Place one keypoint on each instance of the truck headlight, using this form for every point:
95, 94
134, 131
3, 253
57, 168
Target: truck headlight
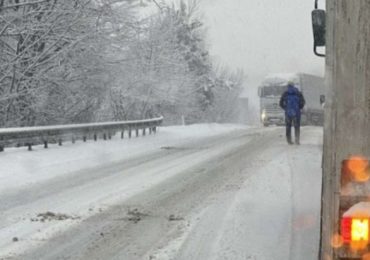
263, 115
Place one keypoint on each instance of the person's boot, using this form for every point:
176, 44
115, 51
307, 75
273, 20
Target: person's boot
289, 140
297, 135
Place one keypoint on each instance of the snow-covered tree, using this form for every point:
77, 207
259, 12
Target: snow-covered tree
82, 60
53, 59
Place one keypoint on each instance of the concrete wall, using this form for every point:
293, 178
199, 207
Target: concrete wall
347, 126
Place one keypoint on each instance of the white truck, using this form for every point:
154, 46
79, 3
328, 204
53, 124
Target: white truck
274, 85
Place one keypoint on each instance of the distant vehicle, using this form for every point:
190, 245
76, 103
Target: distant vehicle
274, 85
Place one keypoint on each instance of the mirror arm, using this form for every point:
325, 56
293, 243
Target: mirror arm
316, 4
316, 53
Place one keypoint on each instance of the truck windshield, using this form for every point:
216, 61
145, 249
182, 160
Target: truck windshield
273, 90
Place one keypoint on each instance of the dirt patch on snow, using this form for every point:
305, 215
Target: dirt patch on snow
173, 148
173, 217
51, 216
135, 215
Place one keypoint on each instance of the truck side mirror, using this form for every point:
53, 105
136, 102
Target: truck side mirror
322, 99
319, 29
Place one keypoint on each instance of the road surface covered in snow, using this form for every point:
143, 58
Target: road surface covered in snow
197, 192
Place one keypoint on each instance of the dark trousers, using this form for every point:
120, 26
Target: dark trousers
292, 121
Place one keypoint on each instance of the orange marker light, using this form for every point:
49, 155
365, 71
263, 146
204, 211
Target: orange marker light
357, 164
357, 168
337, 241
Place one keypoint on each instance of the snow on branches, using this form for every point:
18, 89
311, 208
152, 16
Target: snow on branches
81, 61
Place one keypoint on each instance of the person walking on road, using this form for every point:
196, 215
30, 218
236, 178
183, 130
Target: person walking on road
292, 101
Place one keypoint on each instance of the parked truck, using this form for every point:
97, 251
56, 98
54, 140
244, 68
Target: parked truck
274, 85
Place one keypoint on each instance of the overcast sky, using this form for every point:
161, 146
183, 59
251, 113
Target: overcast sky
262, 36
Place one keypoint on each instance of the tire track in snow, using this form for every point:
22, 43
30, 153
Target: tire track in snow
208, 237
306, 196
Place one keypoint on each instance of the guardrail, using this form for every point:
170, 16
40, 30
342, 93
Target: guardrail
29, 136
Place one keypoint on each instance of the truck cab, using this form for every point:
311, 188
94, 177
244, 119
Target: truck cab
270, 92
270, 111
274, 85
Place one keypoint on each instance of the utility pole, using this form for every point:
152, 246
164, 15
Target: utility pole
347, 115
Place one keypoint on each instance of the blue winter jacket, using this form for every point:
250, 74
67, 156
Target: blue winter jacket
292, 101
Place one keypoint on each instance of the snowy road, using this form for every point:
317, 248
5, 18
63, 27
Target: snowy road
238, 194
